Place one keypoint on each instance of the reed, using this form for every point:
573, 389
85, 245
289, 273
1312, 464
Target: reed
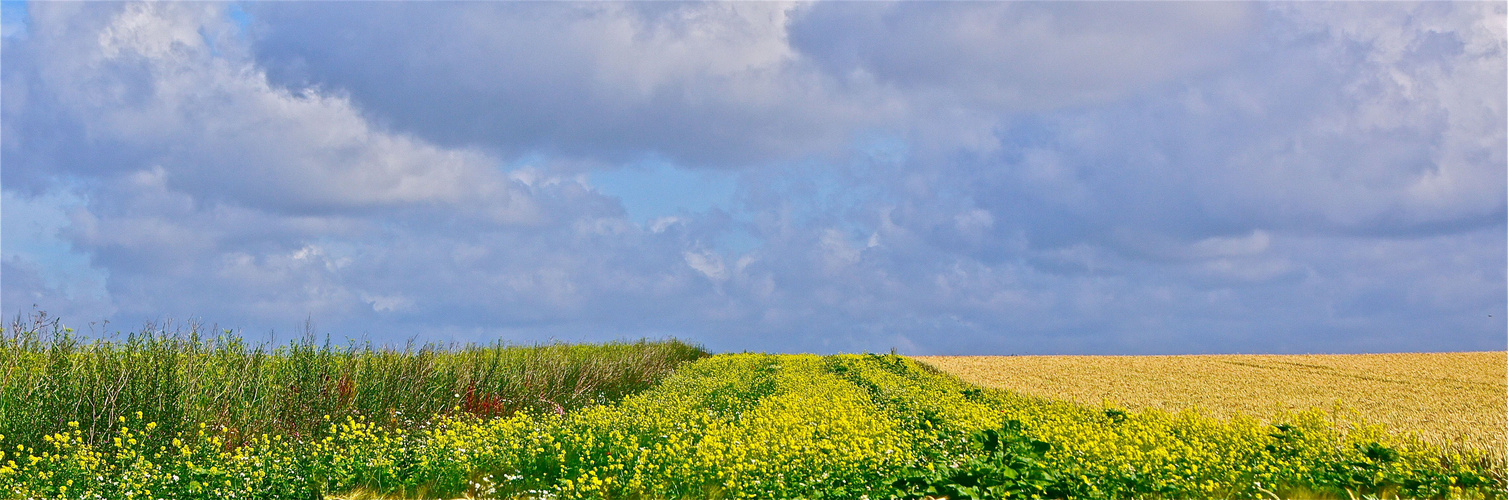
181, 378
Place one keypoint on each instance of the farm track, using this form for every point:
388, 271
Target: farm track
1452, 399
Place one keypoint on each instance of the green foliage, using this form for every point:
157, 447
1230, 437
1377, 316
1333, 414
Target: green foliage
181, 379
722, 427
1005, 464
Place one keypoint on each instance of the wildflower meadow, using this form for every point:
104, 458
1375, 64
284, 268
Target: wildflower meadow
639, 421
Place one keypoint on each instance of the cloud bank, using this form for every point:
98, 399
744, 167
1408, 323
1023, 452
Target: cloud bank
937, 178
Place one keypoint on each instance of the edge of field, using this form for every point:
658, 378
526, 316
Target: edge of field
1454, 400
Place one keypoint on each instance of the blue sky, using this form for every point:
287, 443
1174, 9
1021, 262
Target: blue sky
935, 177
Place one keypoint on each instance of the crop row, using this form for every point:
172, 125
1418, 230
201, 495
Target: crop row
767, 426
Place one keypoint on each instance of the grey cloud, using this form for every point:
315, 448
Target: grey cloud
1332, 184
704, 84
1015, 56
161, 84
1219, 203
1313, 136
724, 85
227, 181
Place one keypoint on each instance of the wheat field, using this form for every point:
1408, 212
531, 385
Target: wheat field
1452, 399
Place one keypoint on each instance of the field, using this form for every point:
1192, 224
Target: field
159, 415
1456, 399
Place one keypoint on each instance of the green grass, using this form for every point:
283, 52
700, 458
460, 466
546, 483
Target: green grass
772, 426
180, 379
181, 416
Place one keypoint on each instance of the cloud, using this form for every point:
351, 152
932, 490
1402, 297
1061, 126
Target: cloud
728, 85
161, 83
201, 174
1018, 56
713, 85
942, 178
1312, 135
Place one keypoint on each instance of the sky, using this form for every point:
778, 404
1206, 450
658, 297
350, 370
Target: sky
929, 177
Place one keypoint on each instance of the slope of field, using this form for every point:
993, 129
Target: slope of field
1458, 399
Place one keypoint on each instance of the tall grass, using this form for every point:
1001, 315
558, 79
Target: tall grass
182, 379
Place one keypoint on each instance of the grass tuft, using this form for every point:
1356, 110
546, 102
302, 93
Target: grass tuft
183, 378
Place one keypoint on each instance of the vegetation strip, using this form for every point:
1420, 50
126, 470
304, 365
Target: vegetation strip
182, 380
755, 426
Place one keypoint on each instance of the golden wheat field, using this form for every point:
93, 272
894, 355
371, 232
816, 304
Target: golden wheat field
1455, 399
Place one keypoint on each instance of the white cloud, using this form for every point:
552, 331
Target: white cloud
388, 303
173, 80
1069, 178
711, 85
709, 264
